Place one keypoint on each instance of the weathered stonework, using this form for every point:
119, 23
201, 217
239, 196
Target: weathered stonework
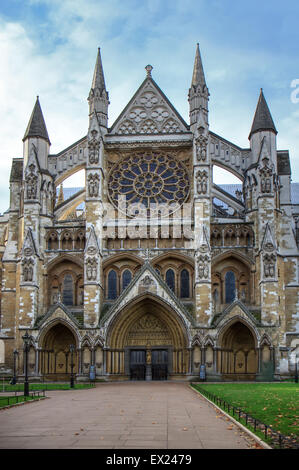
202, 284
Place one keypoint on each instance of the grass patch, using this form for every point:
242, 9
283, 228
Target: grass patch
45, 386
13, 400
275, 404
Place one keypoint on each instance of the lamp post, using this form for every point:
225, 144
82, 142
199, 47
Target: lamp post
14, 379
72, 349
26, 339
296, 368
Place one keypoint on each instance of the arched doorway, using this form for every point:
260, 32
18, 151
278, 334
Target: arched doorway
147, 341
238, 357
55, 359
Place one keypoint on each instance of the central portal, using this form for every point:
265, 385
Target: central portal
147, 341
148, 364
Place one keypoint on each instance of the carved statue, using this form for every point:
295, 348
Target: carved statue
266, 173
31, 183
91, 269
269, 265
93, 148
148, 356
28, 269
93, 185
201, 148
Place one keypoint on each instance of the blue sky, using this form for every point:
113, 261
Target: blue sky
48, 48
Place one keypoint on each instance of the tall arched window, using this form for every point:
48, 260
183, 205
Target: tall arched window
185, 285
112, 285
68, 290
170, 279
230, 287
126, 278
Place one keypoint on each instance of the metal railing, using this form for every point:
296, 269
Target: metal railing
277, 439
18, 397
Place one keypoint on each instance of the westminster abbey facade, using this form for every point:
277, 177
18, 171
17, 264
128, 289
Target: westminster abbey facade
151, 270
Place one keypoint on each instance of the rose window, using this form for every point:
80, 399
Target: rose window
149, 178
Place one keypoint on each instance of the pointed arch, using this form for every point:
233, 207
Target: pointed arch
226, 324
197, 341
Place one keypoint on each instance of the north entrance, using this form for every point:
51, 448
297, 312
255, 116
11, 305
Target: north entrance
147, 341
149, 364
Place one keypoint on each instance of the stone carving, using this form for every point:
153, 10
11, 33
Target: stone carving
160, 113
93, 148
31, 182
148, 330
149, 99
149, 113
148, 356
137, 114
93, 184
269, 265
201, 146
28, 255
147, 281
171, 127
148, 127
28, 264
202, 262
127, 127
202, 182
266, 174
91, 269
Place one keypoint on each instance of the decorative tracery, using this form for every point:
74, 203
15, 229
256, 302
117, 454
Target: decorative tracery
149, 178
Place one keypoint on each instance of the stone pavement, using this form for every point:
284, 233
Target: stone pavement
131, 415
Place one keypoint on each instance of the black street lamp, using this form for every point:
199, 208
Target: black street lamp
296, 368
14, 379
26, 338
72, 349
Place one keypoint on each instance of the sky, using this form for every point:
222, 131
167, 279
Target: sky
48, 48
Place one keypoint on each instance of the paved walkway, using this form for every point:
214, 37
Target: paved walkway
118, 416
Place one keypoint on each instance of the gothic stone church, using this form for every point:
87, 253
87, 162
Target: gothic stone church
151, 270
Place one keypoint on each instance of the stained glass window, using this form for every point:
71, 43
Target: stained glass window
126, 278
112, 285
151, 178
185, 288
170, 279
230, 287
68, 290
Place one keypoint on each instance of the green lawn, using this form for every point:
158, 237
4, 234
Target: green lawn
44, 386
12, 400
275, 404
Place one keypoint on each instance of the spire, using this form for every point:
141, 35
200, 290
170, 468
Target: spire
36, 126
198, 77
98, 80
198, 93
262, 120
98, 96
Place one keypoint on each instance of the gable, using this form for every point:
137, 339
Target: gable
149, 112
57, 312
147, 282
236, 309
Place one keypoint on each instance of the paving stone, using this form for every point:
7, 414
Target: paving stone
133, 415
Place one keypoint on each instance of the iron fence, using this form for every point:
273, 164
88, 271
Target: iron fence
18, 397
277, 439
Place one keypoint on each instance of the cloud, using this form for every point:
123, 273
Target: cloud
50, 51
